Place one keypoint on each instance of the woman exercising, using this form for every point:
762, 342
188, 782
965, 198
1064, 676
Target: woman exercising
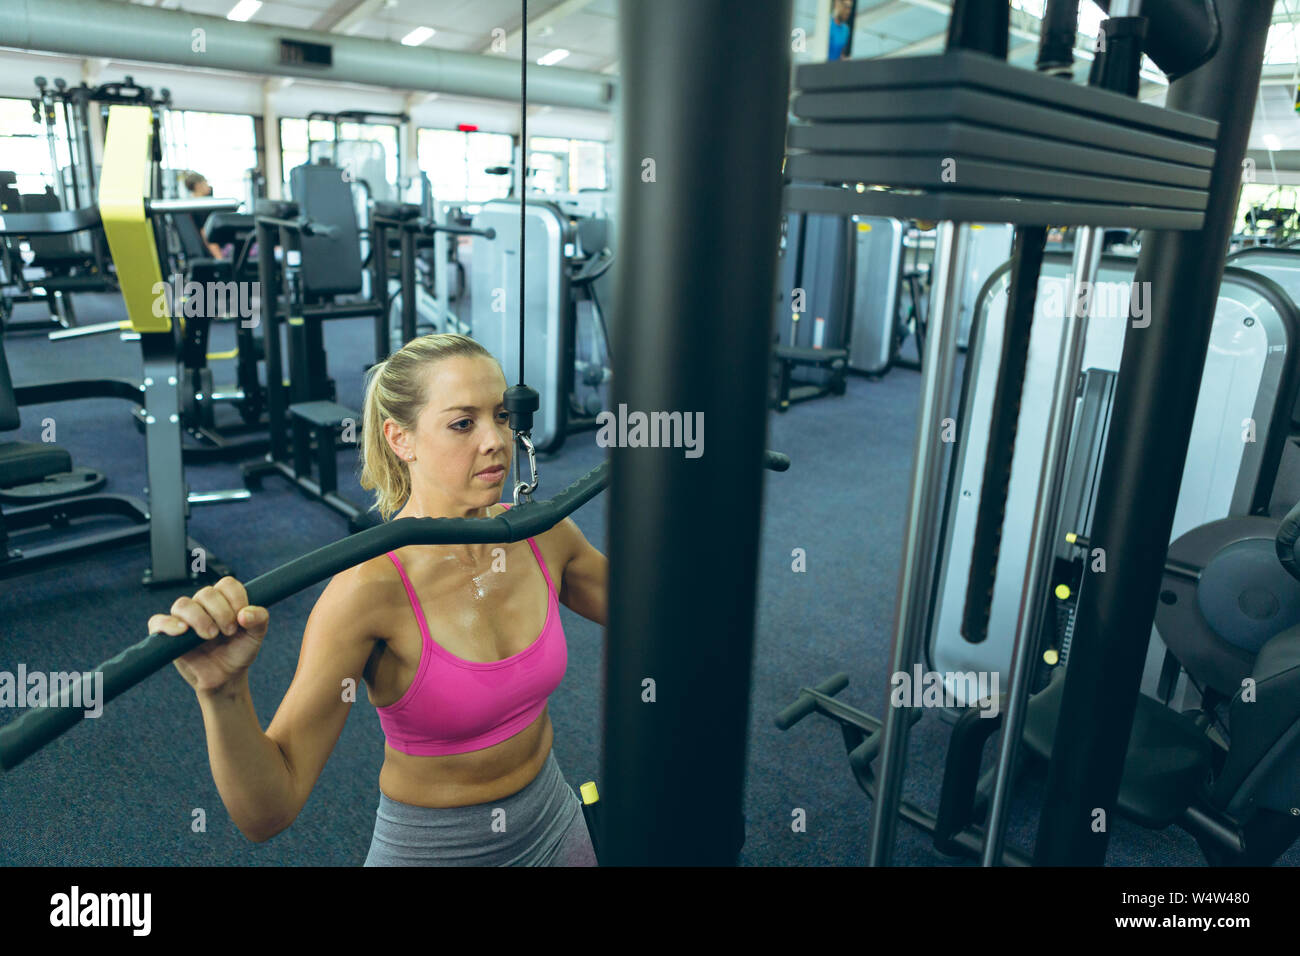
459, 645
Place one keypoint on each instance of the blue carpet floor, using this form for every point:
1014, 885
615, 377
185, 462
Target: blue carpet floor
127, 788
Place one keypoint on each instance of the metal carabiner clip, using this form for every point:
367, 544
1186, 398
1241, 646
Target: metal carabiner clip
525, 489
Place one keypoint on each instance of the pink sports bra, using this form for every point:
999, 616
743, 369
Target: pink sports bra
454, 706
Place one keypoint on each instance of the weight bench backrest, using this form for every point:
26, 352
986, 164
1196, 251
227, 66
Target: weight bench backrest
331, 265
187, 231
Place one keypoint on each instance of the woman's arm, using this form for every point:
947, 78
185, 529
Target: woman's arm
585, 578
265, 778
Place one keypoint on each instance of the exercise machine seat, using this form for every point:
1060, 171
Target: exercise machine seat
1167, 763
593, 235
225, 228
322, 414
1263, 764
276, 208
401, 211
1242, 590
808, 356
212, 270
26, 462
56, 251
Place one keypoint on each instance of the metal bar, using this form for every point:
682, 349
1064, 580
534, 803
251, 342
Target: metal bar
75, 147
218, 497
191, 205
77, 389
674, 769
51, 138
1155, 400
917, 561
97, 329
169, 561
1043, 532
32, 559
428, 228
321, 313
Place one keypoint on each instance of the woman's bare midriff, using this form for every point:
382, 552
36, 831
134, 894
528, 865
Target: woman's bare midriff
462, 780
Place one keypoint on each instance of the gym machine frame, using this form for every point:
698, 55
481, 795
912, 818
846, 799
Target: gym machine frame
133, 237
79, 190
303, 415
1169, 194
410, 226
125, 216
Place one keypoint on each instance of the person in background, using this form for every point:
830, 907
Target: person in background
199, 188
841, 30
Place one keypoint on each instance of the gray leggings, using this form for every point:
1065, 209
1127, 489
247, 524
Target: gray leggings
541, 825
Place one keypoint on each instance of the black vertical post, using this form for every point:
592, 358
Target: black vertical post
408, 284
980, 25
379, 285
269, 278
700, 200
1151, 421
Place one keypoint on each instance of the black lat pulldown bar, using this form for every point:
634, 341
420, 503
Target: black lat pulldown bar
36, 728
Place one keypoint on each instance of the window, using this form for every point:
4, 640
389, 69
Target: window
1282, 44
1090, 15
24, 147
294, 137
293, 143
1265, 199
456, 164
566, 165
222, 147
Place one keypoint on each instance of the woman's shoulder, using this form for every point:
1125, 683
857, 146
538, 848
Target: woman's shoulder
557, 543
362, 593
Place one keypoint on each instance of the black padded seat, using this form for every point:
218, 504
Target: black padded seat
1168, 758
54, 252
276, 208
323, 414
1265, 747
401, 211
228, 227
593, 235
61, 260
212, 270
25, 462
809, 356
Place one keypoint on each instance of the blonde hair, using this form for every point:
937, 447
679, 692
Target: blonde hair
396, 388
